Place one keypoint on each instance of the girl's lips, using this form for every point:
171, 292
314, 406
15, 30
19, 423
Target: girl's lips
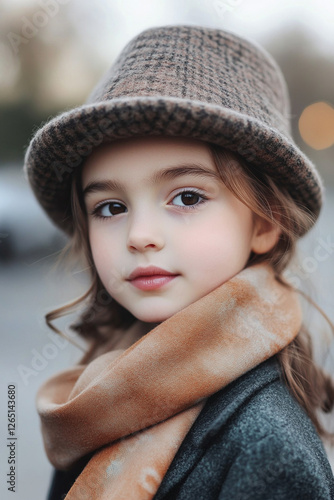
152, 282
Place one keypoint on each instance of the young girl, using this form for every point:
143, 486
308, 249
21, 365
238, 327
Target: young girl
182, 190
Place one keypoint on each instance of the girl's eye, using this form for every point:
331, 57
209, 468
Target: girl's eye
189, 199
108, 209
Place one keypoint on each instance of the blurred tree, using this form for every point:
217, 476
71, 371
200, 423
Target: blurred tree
43, 70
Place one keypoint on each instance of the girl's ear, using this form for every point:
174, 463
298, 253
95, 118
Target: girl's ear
265, 236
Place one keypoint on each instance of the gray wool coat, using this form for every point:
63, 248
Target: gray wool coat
251, 441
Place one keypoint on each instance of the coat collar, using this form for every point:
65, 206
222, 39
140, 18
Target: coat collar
215, 414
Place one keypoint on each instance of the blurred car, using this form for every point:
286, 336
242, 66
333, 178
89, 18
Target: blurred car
24, 227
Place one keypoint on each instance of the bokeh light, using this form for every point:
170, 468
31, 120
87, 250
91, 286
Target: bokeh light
316, 125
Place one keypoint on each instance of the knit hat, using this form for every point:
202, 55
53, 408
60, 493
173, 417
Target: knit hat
186, 81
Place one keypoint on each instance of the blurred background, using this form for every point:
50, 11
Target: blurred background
52, 52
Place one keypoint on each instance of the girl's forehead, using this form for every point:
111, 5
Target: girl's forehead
141, 145
147, 153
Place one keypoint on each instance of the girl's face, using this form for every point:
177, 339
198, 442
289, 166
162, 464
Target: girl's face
158, 201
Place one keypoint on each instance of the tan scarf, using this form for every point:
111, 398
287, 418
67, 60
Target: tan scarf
135, 406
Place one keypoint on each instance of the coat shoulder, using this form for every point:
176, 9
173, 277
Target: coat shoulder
252, 440
274, 449
254, 406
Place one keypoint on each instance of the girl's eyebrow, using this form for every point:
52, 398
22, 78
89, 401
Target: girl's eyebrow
164, 174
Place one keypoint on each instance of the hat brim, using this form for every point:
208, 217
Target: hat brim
62, 145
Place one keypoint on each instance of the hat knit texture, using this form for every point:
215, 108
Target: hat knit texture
186, 81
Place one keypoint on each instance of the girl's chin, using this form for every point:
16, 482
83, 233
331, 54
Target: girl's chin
156, 311
152, 322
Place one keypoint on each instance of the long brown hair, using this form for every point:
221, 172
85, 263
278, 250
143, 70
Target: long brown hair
309, 384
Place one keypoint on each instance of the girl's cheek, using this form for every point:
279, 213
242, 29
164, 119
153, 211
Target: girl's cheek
102, 250
218, 241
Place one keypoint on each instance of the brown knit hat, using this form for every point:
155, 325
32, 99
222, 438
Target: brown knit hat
187, 81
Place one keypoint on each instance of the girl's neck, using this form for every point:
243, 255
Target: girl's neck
123, 339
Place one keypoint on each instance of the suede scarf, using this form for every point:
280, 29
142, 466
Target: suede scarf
134, 407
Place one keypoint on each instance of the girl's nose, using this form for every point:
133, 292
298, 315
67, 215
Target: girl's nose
145, 233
